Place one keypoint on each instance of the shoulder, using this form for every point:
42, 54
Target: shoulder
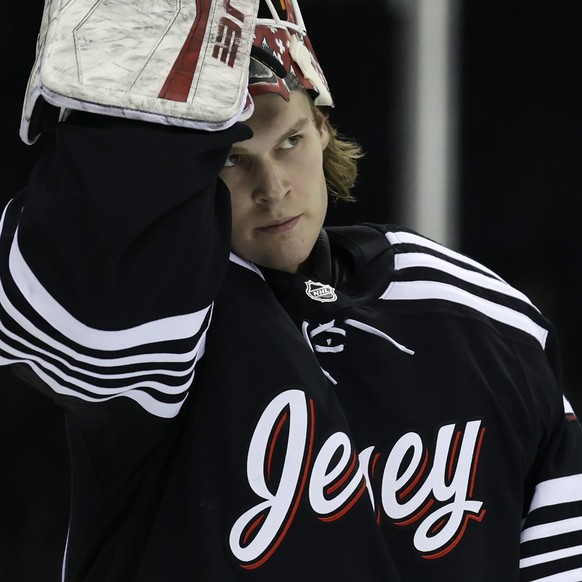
418, 269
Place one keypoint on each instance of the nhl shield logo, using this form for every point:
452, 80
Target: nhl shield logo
320, 292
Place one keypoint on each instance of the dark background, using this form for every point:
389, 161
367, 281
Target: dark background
519, 134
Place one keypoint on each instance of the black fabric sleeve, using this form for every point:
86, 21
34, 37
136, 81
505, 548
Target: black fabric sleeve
111, 259
551, 536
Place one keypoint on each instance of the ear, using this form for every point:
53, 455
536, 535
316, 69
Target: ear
321, 124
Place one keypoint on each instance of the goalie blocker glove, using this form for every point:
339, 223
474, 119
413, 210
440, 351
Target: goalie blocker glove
171, 62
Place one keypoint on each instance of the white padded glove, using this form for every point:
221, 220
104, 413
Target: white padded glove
174, 62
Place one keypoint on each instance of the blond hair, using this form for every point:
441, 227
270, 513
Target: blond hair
340, 160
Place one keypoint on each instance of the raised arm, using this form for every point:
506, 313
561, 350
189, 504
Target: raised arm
112, 255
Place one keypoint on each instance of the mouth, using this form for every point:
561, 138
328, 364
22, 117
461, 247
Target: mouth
278, 226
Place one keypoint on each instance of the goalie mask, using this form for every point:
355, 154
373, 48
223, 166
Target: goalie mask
282, 58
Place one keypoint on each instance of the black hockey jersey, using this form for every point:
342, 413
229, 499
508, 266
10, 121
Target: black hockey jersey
194, 409
406, 407
450, 379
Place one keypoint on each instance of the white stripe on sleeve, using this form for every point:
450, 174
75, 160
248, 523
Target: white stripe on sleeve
395, 238
426, 290
554, 491
411, 260
556, 528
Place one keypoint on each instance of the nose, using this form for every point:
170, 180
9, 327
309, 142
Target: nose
270, 183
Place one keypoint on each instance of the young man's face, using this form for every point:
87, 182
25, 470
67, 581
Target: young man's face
277, 184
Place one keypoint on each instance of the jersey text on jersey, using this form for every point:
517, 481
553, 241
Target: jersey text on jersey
438, 502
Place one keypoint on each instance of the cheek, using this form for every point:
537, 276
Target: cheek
235, 205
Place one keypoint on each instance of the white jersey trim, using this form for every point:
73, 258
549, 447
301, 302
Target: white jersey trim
414, 259
396, 238
246, 264
555, 491
551, 557
569, 576
548, 530
68, 371
170, 328
145, 400
567, 406
426, 290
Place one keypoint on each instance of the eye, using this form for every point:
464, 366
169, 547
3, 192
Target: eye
290, 142
232, 160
